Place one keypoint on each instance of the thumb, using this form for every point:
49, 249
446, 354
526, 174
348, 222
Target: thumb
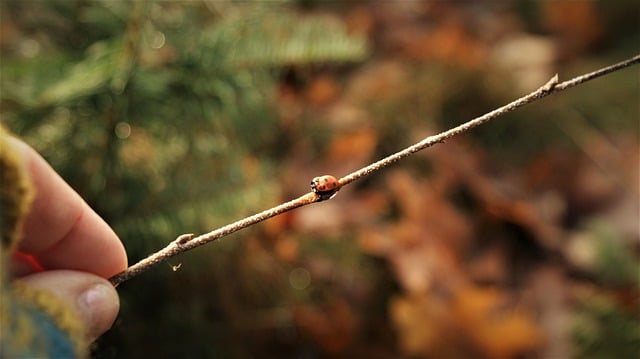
93, 298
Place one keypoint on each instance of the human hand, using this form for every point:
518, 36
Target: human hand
66, 248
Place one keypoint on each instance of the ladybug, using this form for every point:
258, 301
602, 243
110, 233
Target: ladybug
326, 186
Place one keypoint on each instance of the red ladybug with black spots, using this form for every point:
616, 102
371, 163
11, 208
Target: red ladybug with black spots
326, 186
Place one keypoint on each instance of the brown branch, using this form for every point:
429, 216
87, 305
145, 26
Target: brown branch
188, 241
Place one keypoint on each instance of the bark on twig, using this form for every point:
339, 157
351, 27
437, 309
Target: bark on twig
188, 241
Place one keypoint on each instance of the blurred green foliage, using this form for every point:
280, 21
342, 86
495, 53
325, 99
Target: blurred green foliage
614, 263
156, 107
602, 329
161, 115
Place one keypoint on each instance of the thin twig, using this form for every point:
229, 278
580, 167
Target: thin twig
188, 241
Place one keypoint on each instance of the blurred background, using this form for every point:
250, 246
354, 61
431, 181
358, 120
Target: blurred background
519, 239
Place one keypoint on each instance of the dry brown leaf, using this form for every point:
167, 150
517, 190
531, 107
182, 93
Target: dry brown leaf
428, 206
323, 90
287, 248
352, 149
323, 219
472, 322
449, 41
423, 326
376, 241
331, 327
496, 328
353, 144
360, 21
377, 82
577, 23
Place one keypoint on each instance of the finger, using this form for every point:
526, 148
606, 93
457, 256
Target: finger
61, 231
92, 298
21, 264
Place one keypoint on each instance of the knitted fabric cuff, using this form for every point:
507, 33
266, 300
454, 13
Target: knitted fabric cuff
36, 324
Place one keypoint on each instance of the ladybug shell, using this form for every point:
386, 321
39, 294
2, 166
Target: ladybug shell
324, 183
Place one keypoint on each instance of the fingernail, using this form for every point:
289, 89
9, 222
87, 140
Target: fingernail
99, 305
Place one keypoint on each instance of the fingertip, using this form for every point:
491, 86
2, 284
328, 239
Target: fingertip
99, 305
92, 298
